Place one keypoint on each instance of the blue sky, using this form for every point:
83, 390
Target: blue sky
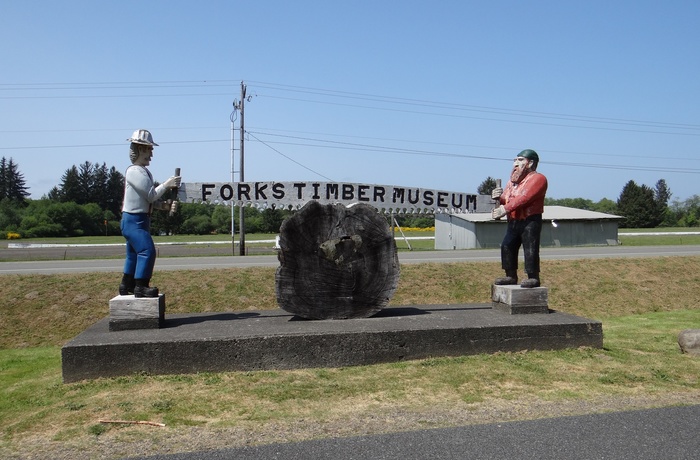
424, 94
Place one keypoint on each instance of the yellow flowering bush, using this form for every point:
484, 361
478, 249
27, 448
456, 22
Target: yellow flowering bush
415, 229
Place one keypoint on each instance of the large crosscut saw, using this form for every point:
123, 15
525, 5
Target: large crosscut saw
293, 195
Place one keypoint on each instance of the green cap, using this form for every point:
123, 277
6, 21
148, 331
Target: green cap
530, 155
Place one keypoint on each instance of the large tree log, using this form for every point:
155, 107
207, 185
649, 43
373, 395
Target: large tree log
336, 262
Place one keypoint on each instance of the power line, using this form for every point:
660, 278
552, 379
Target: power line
61, 85
287, 156
384, 103
102, 87
477, 157
337, 94
470, 117
94, 130
607, 155
457, 106
121, 144
273, 132
342, 145
117, 96
379, 149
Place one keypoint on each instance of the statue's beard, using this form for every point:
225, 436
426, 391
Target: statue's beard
518, 174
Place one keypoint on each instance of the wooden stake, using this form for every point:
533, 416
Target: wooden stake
132, 422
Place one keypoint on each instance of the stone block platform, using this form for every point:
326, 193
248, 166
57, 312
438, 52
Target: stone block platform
515, 300
128, 312
275, 339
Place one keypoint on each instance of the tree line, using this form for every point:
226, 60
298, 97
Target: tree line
87, 202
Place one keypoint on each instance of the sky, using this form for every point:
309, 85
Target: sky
434, 95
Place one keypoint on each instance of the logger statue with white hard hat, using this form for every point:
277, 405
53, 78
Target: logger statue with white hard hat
141, 197
522, 202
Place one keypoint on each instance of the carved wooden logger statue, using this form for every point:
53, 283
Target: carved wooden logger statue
336, 262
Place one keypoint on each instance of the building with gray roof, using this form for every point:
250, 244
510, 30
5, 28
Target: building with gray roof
562, 226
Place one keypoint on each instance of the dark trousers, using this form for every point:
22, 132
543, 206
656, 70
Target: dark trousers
525, 233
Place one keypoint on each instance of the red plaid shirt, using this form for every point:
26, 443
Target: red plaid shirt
526, 198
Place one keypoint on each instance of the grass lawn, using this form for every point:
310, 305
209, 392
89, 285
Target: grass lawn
643, 304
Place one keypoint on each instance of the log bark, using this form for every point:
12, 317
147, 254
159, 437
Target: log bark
336, 262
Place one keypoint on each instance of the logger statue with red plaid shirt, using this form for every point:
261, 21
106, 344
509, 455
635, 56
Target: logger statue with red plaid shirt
522, 202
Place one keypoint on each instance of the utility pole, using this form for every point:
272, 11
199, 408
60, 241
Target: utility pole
233, 176
241, 219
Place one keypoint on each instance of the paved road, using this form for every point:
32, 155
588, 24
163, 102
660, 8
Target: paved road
228, 261
668, 433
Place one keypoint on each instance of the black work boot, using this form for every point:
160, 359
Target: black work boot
143, 290
510, 278
127, 285
532, 281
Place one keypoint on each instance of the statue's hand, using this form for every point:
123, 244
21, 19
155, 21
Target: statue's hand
496, 193
498, 212
162, 205
172, 182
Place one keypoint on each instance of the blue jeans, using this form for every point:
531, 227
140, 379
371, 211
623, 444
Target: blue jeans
140, 250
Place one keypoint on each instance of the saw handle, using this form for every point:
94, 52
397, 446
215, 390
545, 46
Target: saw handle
173, 206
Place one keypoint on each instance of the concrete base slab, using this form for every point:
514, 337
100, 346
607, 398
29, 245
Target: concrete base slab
260, 340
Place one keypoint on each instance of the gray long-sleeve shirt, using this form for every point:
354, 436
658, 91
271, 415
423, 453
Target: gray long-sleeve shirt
139, 190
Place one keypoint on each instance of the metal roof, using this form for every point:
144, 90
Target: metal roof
550, 213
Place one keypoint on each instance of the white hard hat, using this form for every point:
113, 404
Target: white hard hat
142, 136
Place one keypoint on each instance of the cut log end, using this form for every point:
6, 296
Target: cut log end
336, 262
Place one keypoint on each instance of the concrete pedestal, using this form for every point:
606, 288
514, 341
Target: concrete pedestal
274, 339
513, 299
127, 312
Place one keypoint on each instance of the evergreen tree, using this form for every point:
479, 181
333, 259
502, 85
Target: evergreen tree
662, 195
86, 184
91, 183
115, 191
54, 194
12, 184
486, 186
637, 204
98, 190
69, 190
3, 178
